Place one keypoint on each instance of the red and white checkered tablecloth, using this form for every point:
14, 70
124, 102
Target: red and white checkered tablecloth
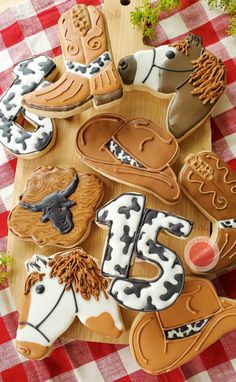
30, 28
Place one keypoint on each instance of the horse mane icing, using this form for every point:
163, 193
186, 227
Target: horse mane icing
208, 77
79, 269
31, 280
182, 46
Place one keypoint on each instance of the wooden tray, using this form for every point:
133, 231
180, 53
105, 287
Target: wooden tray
125, 40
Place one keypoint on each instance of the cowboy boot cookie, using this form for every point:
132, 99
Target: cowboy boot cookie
90, 75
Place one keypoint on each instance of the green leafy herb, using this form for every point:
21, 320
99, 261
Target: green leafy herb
5, 260
147, 15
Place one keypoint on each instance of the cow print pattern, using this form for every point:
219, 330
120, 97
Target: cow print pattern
122, 155
186, 330
130, 227
91, 69
30, 75
229, 223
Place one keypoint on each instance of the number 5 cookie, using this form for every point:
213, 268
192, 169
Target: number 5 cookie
30, 74
185, 68
211, 185
136, 152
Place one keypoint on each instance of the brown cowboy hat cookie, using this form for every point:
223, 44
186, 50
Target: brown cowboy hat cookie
57, 207
185, 68
136, 152
211, 185
163, 341
90, 76
69, 282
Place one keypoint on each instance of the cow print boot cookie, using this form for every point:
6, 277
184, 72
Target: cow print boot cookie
90, 75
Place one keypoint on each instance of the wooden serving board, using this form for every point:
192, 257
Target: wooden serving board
125, 40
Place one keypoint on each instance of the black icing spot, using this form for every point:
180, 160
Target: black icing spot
94, 70
28, 88
137, 288
149, 306
154, 249
108, 253
23, 67
6, 128
151, 214
7, 101
133, 207
127, 239
43, 142
171, 288
121, 270
24, 135
106, 57
102, 218
176, 229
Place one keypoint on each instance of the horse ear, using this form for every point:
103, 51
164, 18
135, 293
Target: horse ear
36, 264
186, 112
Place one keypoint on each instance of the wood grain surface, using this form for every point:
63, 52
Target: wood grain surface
125, 40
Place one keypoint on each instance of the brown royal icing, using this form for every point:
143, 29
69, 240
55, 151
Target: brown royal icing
125, 151
195, 75
211, 185
163, 341
90, 71
49, 219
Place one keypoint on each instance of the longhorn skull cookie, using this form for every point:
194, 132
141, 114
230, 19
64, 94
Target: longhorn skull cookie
133, 229
68, 282
135, 152
211, 185
163, 341
57, 207
185, 68
90, 75
30, 74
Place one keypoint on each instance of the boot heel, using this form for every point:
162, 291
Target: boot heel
107, 100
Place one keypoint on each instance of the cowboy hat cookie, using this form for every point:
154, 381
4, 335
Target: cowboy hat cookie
57, 207
90, 75
185, 68
163, 341
211, 185
133, 231
68, 282
124, 150
30, 74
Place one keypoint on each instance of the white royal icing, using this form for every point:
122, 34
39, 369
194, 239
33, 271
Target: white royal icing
30, 74
139, 294
57, 321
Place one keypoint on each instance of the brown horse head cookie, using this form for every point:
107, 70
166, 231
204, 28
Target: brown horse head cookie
185, 68
57, 207
126, 151
163, 341
68, 282
211, 185
90, 75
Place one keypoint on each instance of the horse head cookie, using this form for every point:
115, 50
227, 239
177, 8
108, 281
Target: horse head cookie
90, 75
163, 341
57, 207
125, 151
185, 68
66, 282
211, 185
30, 74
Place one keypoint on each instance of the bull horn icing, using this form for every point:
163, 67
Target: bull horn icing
32, 207
71, 188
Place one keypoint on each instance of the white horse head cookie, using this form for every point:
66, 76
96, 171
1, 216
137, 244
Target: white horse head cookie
185, 68
68, 282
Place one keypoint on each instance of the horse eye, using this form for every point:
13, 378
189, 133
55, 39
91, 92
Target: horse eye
40, 289
170, 54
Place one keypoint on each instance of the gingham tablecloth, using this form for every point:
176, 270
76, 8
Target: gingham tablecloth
30, 28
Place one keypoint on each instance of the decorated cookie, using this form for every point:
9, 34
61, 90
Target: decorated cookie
90, 75
30, 74
185, 68
57, 207
210, 184
163, 341
68, 282
133, 231
136, 152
